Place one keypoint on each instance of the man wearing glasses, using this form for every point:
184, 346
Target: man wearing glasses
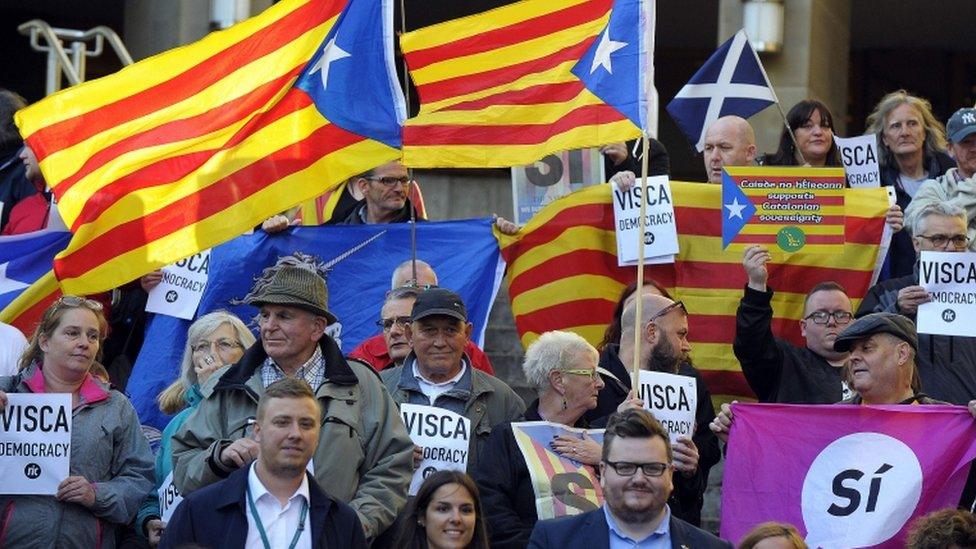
776, 370
384, 190
946, 364
635, 475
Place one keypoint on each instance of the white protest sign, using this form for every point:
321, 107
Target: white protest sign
35, 443
672, 399
169, 498
182, 287
443, 435
860, 158
660, 235
950, 278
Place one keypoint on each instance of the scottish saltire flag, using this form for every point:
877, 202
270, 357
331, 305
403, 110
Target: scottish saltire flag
463, 253
732, 81
562, 486
27, 284
190, 148
508, 86
845, 476
787, 209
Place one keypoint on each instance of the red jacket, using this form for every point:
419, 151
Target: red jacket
373, 351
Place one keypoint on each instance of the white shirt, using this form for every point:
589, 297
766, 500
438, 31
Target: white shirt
279, 523
12, 345
433, 390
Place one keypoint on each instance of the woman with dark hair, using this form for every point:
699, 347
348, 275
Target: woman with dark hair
446, 513
110, 462
813, 126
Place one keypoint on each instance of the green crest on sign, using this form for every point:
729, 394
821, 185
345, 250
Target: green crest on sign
790, 239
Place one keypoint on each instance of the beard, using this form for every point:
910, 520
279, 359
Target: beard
665, 358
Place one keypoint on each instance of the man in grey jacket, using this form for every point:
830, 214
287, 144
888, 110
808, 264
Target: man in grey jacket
438, 373
363, 455
946, 364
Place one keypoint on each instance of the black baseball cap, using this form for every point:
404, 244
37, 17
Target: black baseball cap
439, 301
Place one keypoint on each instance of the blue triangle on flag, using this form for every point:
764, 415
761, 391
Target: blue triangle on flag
737, 209
618, 79
352, 79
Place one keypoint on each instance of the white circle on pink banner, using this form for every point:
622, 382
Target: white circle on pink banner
860, 490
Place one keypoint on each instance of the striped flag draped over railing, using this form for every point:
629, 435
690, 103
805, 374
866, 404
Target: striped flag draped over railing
563, 272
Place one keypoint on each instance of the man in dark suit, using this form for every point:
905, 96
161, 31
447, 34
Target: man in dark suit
275, 502
636, 479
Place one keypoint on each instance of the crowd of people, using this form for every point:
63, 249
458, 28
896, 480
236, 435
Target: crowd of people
282, 440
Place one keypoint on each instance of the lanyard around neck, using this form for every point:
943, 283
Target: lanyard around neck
260, 526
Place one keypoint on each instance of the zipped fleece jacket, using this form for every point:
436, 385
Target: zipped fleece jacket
107, 448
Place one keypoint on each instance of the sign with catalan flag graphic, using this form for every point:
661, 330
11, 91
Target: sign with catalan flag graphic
562, 486
563, 273
789, 208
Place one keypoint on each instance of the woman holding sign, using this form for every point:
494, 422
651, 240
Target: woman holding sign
110, 462
213, 341
562, 365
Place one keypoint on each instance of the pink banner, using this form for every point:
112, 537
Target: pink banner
845, 476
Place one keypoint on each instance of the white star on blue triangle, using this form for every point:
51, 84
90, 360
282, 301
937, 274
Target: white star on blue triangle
737, 209
611, 66
352, 79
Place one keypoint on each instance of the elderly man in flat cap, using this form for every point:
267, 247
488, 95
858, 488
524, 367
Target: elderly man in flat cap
364, 452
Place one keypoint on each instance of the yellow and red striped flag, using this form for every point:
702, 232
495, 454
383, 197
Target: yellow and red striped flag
511, 85
194, 146
563, 273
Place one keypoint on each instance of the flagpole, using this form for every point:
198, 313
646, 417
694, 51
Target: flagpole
410, 182
786, 122
649, 8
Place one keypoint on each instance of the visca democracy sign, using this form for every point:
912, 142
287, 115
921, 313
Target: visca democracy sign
35, 443
950, 278
660, 235
443, 437
182, 287
672, 399
860, 158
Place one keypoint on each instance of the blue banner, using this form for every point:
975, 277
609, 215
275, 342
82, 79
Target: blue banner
463, 253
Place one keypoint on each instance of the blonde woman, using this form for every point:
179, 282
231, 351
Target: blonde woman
215, 340
110, 463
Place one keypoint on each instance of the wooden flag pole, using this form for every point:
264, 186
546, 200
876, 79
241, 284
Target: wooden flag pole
638, 324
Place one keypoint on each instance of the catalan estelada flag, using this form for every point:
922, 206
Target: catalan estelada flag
194, 146
562, 486
790, 208
563, 273
27, 283
511, 85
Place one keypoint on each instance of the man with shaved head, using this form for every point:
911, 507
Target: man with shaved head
665, 348
729, 141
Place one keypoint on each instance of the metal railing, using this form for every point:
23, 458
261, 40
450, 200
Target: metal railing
58, 61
